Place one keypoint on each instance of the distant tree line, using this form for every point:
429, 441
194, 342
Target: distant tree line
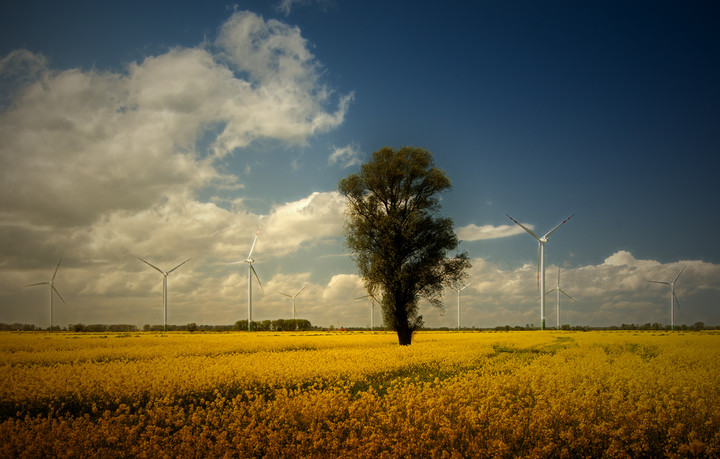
191, 327
657, 326
18, 327
71, 327
276, 325
99, 328
240, 325
305, 325
697, 326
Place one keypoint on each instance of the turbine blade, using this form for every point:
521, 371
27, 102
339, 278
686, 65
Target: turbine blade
658, 282
465, 286
37, 283
301, 290
561, 291
58, 293
176, 267
258, 279
676, 300
361, 297
152, 266
281, 293
547, 235
58, 267
681, 271
252, 247
530, 232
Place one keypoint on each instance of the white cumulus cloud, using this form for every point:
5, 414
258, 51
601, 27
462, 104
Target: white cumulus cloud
77, 144
474, 232
346, 156
310, 220
613, 292
101, 167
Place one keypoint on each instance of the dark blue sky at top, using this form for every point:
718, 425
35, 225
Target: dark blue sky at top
609, 110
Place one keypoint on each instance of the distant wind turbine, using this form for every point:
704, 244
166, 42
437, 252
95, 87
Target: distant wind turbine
52, 289
372, 309
541, 262
293, 299
673, 297
458, 290
250, 260
165, 275
558, 291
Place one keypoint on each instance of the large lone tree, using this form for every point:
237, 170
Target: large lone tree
397, 239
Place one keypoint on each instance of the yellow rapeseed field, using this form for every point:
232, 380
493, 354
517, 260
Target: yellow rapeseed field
484, 394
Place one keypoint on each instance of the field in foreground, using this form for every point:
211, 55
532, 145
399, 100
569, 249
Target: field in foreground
542, 394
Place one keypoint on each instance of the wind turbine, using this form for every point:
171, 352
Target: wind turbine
541, 262
372, 309
558, 291
52, 289
165, 275
292, 297
250, 260
458, 290
673, 297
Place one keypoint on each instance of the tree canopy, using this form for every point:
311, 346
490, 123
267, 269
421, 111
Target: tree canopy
396, 236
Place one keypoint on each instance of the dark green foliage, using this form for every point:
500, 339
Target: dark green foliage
397, 239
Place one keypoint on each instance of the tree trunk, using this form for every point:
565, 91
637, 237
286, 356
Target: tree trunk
404, 336
402, 325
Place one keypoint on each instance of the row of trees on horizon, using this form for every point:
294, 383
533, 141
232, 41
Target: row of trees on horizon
240, 325
305, 325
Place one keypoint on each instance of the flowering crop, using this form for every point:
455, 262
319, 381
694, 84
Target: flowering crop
559, 394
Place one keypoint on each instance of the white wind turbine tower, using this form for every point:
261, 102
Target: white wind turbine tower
52, 289
250, 260
673, 297
458, 290
558, 291
293, 299
372, 309
541, 262
165, 275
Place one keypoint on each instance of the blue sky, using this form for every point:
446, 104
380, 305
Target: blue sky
173, 130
